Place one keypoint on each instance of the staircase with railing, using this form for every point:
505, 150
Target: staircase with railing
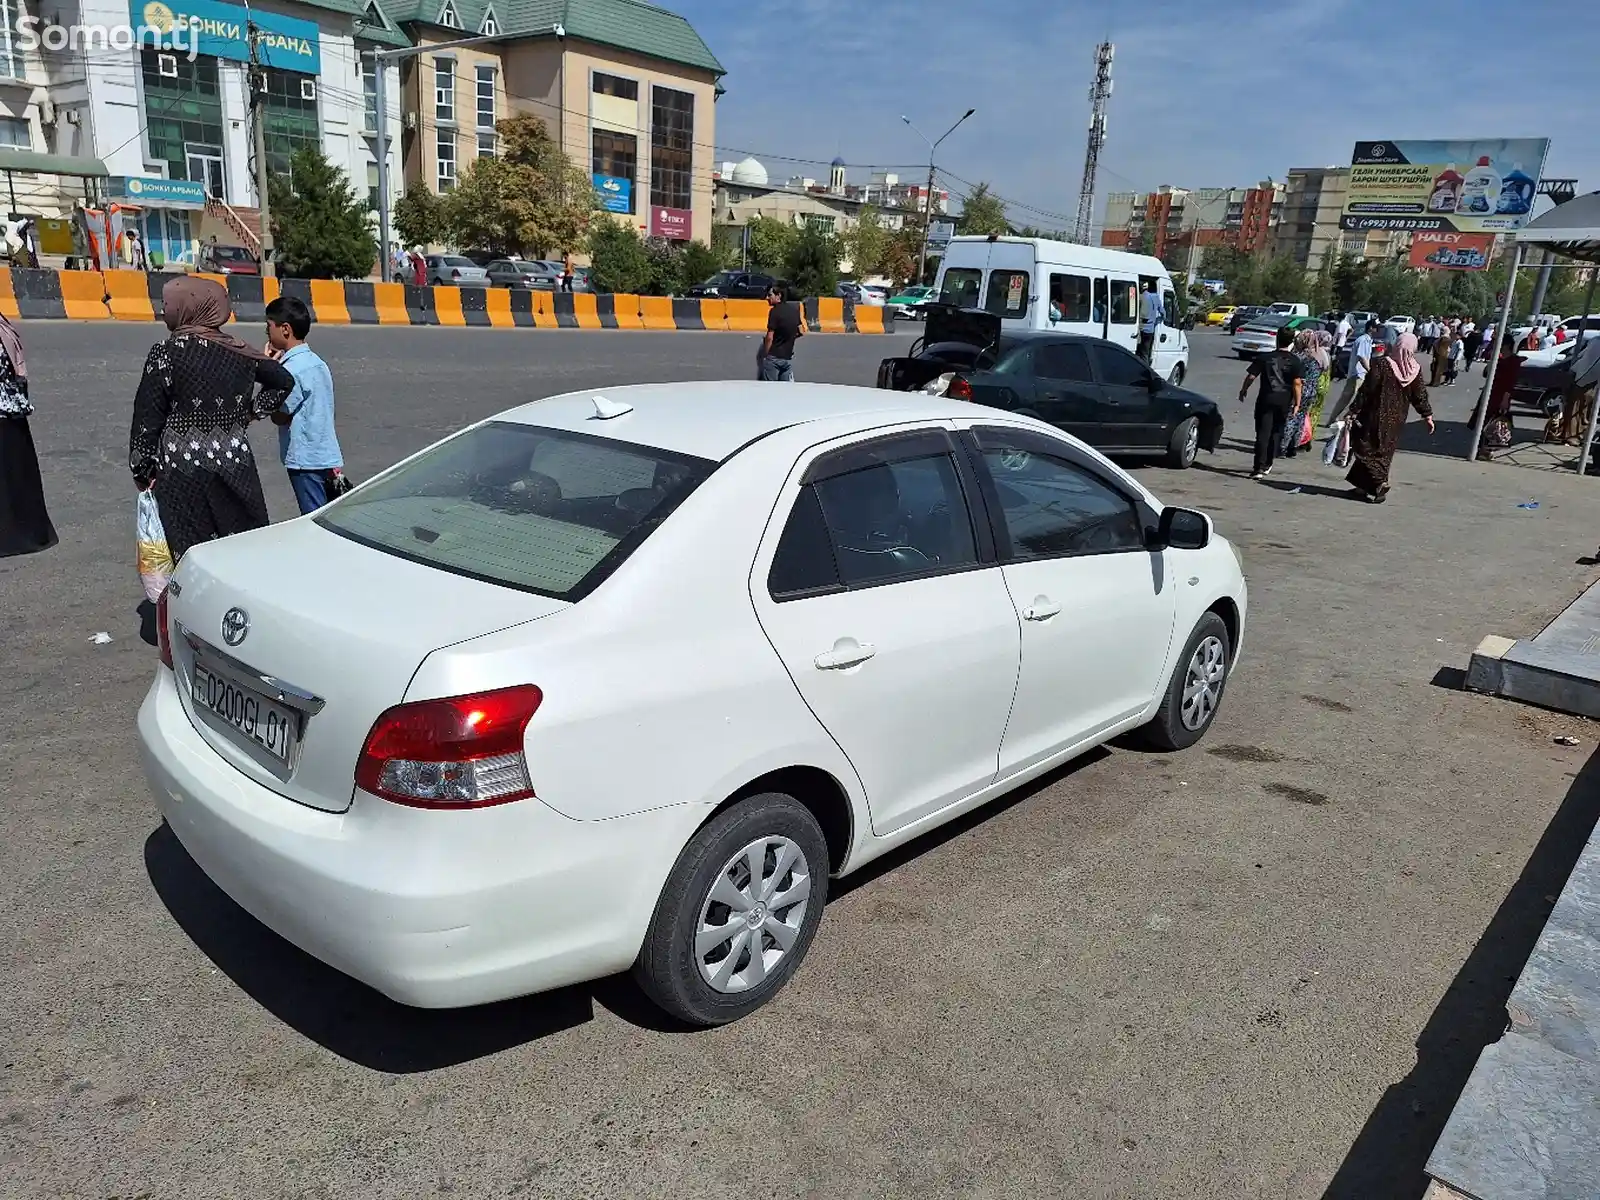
243, 222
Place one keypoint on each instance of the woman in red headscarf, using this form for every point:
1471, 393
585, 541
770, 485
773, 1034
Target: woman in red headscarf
1392, 388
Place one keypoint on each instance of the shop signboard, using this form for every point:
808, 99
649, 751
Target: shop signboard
671, 223
223, 31
155, 192
939, 235
1434, 251
616, 195
1484, 186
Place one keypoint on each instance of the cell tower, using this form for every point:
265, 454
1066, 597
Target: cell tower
1099, 93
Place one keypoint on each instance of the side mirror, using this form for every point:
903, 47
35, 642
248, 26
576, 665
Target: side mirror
1183, 529
1154, 382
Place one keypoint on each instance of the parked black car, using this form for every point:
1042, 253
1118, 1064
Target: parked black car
734, 285
1092, 389
1242, 314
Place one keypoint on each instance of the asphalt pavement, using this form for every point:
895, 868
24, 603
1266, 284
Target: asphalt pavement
1263, 967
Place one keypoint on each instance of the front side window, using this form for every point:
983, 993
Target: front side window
1051, 508
1069, 297
1124, 302
444, 89
960, 287
1008, 293
446, 150
1118, 368
541, 510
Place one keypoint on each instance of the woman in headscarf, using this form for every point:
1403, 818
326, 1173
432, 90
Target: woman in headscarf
24, 521
1392, 387
190, 439
1313, 365
1441, 356
1325, 345
1497, 428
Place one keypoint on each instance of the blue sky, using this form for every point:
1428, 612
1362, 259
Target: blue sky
1208, 93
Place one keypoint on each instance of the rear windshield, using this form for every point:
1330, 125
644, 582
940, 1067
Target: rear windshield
960, 287
231, 252
541, 510
457, 261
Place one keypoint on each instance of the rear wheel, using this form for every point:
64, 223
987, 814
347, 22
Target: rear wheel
1195, 691
1184, 444
738, 912
1176, 379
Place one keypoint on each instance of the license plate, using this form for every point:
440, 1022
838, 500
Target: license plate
249, 714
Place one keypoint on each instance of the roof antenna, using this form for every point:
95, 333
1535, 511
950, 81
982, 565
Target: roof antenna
605, 410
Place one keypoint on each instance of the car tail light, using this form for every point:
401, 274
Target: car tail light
455, 273
460, 752
959, 389
163, 638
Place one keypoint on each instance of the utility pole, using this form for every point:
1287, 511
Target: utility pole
258, 115
927, 208
1099, 93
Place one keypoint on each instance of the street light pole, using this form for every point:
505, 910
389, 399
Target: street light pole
381, 147
927, 212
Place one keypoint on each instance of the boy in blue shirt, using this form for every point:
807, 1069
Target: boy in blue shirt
306, 440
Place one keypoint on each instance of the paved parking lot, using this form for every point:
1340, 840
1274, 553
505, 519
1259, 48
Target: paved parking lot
1260, 968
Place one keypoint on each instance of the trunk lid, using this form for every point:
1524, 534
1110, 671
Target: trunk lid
333, 628
945, 325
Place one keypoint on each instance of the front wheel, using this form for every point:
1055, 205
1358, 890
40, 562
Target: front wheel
1176, 378
738, 912
1184, 444
1195, 691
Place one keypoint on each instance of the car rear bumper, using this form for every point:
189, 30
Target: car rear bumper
433, 909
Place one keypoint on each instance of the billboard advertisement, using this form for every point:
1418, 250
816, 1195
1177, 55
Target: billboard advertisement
1451, 251
1485, 186
615, 193
222, 30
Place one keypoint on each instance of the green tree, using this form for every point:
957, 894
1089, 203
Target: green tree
1147, 241
983, 213
771, 242
666, 267
531, 199
1350, 273
813, 265
618, 260
866, 244
700, 262
320, 227
1322, 288
419, 218
1392, 290
903, 252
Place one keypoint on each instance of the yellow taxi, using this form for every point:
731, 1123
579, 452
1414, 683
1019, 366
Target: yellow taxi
1219, 316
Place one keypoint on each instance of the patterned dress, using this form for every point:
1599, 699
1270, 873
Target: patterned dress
1294, 429
25, 526
1380, 413
190, 434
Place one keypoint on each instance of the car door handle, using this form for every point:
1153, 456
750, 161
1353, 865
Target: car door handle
1042, 609
846, 652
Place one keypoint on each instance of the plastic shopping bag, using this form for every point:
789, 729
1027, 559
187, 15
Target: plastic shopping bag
155, 559
1330, 448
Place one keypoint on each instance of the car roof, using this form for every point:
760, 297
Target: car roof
713, 419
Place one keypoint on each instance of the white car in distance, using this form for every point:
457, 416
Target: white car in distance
621, 682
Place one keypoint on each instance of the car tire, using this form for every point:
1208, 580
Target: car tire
1184, 444
1206, 658
707, 989
1176, 378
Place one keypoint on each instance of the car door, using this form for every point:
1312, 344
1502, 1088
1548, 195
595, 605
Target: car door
881, 594
1130, 418
1065, 391
1167, 352
1123, 327
1095, 604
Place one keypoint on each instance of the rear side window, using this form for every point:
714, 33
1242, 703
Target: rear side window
541, 510
1008, 293
874, 525
1069, 297
960, 287
1064, 360
1124, 302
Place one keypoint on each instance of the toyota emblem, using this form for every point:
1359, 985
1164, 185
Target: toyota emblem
235, 625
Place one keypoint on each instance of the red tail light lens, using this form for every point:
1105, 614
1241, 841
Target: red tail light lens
959, 389
461, 752
163, 638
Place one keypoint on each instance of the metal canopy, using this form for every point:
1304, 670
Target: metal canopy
1571, 229
52, 164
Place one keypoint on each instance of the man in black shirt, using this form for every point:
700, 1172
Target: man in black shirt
1279, 373
785, 326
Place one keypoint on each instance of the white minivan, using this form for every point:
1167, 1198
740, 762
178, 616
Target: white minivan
1039, 283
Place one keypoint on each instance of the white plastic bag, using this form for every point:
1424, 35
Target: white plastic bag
1330, 449
155, 558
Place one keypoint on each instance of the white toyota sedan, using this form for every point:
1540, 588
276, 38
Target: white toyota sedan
622, 681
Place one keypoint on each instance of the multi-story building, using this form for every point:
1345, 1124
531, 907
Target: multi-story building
1177, 224
887, 191
628, 90
743, 191
1309, 228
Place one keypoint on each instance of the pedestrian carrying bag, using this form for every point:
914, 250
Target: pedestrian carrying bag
336, 484
155, 558
1330, 448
